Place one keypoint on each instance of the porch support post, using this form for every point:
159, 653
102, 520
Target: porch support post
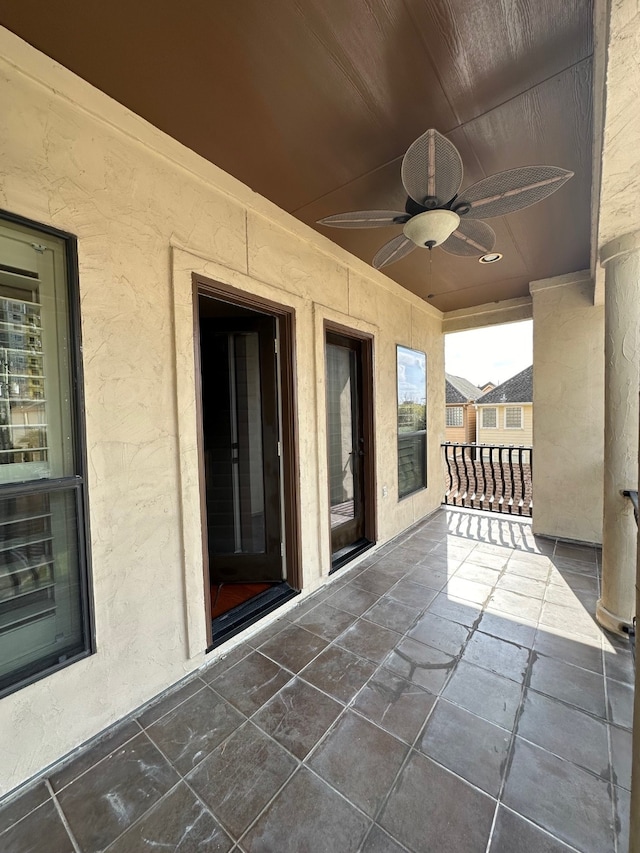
621, 260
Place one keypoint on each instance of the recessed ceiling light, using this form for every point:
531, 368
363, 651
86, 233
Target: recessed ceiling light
490, 258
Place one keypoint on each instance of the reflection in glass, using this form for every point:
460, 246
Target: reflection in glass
412, 420
341, 382
41, 597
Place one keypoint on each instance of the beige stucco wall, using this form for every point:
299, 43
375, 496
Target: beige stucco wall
568, 397
147, 213
500, 435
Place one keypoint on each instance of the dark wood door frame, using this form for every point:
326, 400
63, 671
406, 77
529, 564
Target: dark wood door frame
289, 429
368, 423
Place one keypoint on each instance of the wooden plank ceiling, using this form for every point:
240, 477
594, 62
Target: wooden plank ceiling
312, 103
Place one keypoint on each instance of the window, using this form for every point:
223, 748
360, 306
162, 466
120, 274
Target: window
44, 607
513, 417
412, 421
489, 418
455, 416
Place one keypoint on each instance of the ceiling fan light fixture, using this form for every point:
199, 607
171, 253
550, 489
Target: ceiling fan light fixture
432, 227
490, 258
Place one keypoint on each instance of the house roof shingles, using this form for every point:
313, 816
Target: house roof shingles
518, 389
459, 390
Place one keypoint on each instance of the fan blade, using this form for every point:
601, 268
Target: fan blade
432, 169
512, 190
365, 219
392, 251
470, 238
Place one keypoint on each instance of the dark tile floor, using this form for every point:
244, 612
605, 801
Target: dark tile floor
450, 693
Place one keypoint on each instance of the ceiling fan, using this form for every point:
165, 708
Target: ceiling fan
438, 214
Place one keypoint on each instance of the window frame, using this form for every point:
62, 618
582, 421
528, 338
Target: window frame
513, 408
415, 434
484, 409
75, 482
458, 410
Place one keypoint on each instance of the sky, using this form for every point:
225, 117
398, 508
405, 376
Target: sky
493, 354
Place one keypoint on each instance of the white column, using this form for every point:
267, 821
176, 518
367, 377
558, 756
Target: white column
621, 260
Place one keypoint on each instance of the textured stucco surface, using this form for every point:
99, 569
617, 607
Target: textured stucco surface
620, 171
147, 213
568, 408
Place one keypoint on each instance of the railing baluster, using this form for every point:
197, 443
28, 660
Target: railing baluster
493, 477
455, 462
474, 463
522, 483
501, 501
507, 489
511, 481
447, 456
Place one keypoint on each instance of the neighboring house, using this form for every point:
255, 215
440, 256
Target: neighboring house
505, 414
460, 423
488, 386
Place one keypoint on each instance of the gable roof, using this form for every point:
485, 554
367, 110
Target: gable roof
518, 389
459, 390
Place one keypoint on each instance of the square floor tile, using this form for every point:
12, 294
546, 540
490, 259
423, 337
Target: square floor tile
177, 822
516, 605
307, 816
469, 746
484, 693
41, 832
379, 842
395, 704
109, 797
366, 780
94, 752
293, 648
488, 559
518, 566
193, 729
418, 812
621, 756
412, 594
533, 587
619, 665
501, 625
466, 590
240, 777
252, 682
353, 600
571, 684
338, 672
375, 581
578, 651
458, 610
620, 703
499, 656
326, 621
623, 818
21, 804
440, 633
225, 661
567, 801
423, 665
565, 731
298, 716
432, 575
478, 574
167, 703
514, 834
368, 640
393, 615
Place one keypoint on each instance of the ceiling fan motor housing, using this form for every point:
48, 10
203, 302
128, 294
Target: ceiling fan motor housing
432, 227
